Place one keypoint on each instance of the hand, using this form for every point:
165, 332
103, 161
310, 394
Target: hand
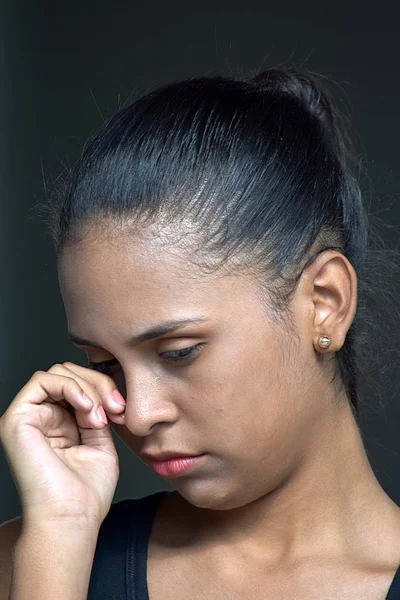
62, 457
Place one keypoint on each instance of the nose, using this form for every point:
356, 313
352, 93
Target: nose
149, 402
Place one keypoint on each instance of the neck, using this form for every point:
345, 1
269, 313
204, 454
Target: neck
331, 506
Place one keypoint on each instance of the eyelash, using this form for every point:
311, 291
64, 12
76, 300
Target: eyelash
103, 366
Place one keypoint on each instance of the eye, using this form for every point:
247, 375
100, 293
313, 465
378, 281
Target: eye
106, 366
111, 366
182, 353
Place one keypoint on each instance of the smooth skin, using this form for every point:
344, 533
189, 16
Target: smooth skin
285, 500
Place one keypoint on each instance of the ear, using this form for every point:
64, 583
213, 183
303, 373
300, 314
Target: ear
333, 288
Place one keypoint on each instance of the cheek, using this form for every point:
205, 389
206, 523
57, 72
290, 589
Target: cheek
251, 402
249, 382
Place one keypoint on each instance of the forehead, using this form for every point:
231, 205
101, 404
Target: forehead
123, 272
107, 284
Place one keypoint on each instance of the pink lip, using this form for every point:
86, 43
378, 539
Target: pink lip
175, 467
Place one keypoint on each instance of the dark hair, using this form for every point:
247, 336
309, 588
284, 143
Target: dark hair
258, 165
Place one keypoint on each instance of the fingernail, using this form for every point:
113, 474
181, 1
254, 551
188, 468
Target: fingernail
118, 397
87, 399
101, 415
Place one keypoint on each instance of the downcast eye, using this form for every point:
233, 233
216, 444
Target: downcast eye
182, 353
106, 366
111, 366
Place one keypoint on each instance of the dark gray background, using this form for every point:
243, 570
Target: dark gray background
66, 65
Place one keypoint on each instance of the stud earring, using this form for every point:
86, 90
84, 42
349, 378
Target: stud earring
324, 342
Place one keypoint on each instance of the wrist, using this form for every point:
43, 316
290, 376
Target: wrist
51, 525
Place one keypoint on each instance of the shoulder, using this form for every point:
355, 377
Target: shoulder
9, 534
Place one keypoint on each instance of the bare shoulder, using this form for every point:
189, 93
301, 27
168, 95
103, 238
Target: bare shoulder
9, 534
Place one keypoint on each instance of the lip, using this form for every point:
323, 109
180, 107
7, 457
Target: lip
166, 456
175, 466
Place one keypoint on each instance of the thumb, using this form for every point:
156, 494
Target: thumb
99, 439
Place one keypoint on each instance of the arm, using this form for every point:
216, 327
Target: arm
53, 562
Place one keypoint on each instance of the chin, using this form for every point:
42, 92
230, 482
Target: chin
208, 495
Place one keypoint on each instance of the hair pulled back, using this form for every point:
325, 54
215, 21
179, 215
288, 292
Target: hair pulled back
257, 165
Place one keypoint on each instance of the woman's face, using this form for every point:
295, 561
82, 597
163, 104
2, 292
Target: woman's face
246, 398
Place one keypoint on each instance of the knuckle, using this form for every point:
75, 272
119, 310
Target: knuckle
105, 382
71, 386
55, 368
87, 387
38, 374
68, 364
108, 382
71, 381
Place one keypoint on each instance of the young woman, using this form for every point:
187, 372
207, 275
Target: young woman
209, 242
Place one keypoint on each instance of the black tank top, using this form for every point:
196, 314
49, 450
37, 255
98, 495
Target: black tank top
119, 569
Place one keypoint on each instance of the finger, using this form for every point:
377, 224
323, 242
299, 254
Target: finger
97, 417
105, 386
44, 389
45, 386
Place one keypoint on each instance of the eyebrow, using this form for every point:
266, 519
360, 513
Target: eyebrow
150, 334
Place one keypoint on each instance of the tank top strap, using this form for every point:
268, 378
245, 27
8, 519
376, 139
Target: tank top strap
138, 546
119, 565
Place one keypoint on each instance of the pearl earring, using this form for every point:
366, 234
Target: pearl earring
324, 342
